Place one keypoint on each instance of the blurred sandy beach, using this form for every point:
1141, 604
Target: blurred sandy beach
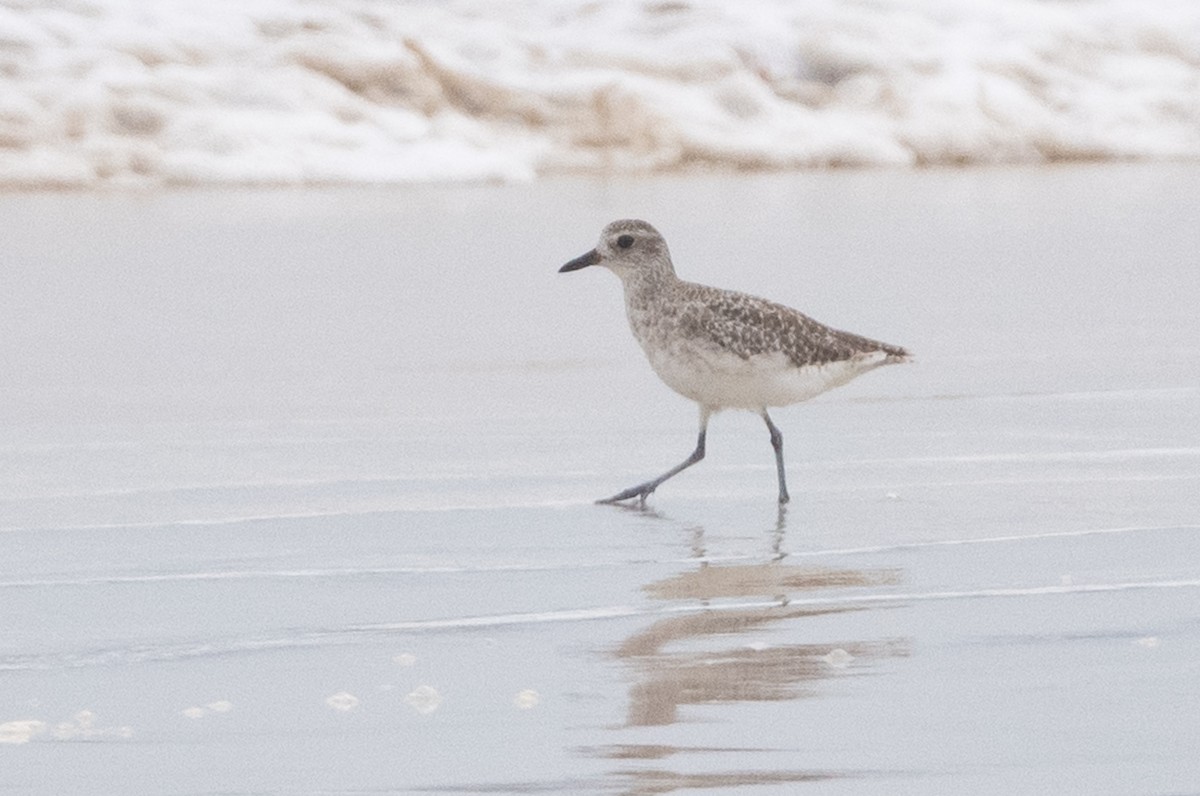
295, 490
110, 93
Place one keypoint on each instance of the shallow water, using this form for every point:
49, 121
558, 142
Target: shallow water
262, 451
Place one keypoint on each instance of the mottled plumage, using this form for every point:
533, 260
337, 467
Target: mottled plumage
749, 325
721, 348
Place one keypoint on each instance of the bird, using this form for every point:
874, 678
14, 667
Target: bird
723, 349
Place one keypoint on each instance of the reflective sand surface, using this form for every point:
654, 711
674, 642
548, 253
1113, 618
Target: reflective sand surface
295, 491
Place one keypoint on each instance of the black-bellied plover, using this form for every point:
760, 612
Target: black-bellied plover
721, 348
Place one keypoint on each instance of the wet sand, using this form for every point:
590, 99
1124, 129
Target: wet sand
295, 494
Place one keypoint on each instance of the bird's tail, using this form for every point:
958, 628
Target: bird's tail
894, 354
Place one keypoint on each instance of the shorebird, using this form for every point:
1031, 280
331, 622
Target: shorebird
724, 349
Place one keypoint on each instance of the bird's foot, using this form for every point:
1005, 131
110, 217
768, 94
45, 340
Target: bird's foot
641, 492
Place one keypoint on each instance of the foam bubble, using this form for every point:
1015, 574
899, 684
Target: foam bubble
21, 730
527, 699
199, 712
424, 699
83, 726
342, 701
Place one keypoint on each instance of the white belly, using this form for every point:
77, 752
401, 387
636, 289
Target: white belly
722, 380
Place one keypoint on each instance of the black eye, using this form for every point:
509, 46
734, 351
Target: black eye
625, 241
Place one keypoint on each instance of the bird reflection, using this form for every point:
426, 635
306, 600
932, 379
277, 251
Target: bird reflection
705, 656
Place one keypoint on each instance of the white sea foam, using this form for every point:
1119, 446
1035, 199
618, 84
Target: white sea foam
113, 92
342, 701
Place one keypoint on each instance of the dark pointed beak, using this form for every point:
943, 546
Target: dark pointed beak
591, 258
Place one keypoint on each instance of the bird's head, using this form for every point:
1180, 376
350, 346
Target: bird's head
629, 248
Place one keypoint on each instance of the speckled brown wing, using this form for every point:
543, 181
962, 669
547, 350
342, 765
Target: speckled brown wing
747, 325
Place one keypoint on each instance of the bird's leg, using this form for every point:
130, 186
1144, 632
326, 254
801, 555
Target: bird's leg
777, 444
643, 491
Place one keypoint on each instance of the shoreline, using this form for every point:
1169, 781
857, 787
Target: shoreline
686, 173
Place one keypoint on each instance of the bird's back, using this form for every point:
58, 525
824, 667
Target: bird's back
748, 325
